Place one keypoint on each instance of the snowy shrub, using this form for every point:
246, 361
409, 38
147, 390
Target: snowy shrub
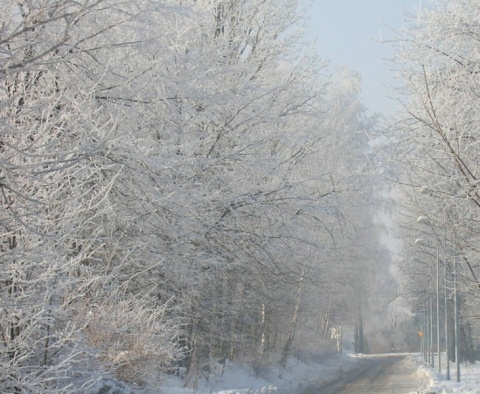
109, 385
132, 337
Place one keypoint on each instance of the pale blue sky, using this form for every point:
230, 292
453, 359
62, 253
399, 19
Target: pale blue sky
346, 31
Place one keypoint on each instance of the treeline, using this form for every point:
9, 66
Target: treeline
182, 184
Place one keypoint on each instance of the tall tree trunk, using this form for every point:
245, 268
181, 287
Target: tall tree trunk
293, 325
358, 338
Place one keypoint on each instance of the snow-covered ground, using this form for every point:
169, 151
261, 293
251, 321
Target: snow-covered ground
469, 377
242, 379
300, 374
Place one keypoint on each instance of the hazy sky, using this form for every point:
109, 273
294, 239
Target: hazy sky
346, 31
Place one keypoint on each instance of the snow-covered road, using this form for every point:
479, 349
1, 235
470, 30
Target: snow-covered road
336, 374
382, 374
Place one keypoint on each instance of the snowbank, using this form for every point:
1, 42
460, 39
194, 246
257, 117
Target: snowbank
242, 380
469, 377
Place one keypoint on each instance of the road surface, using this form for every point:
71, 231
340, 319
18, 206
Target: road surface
379, 375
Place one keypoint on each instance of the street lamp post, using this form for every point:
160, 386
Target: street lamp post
429, 329
423, 333
438, 315
432, 355
427, 333
455, 290
447, 351
425, 220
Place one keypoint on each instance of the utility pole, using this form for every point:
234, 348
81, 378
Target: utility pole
425, 331
432, 355
438, 314
457, 328
447, 351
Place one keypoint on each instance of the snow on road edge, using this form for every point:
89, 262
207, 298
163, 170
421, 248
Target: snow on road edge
438, 384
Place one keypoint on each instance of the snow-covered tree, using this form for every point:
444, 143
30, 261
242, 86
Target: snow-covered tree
176, 181
58, 241
436, 139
